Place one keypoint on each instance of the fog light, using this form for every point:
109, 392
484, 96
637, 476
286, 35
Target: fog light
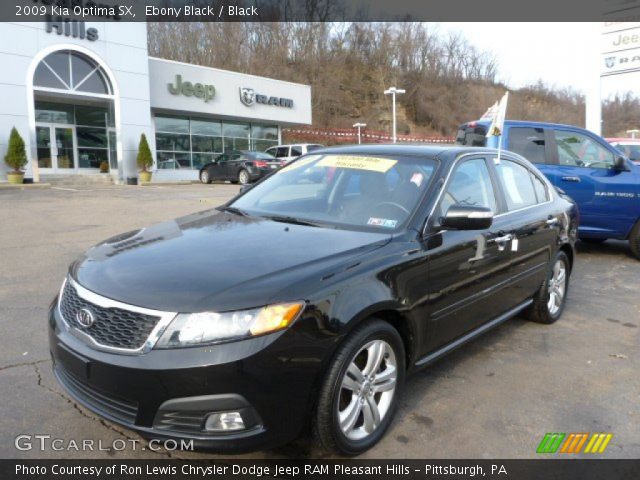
224, 422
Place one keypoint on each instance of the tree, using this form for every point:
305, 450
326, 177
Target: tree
145, 160
16, 156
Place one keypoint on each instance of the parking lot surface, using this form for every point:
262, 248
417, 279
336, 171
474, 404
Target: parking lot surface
494, 398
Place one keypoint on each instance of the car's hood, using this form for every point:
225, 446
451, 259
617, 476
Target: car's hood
214, 260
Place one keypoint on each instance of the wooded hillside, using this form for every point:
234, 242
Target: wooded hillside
448, 81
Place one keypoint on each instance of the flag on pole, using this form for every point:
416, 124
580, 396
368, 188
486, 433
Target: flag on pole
490, 113
497, 116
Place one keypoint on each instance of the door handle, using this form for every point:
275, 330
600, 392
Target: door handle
571, 179
502, 239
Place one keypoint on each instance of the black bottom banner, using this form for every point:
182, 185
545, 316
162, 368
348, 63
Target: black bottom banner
347, 469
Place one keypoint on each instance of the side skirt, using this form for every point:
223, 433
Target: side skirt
458, 342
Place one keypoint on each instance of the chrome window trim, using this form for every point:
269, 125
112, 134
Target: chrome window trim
104, 302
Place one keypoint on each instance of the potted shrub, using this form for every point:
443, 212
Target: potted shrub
145, 160
104, 167
16, 157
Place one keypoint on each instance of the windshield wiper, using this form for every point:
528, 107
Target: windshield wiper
234, 210
294, 221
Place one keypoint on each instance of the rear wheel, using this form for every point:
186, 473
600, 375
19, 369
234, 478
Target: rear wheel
205, 177
243, 177
634, 241
549, 301
360, 393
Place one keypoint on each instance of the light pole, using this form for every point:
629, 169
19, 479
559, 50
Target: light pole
393, 91
358, 126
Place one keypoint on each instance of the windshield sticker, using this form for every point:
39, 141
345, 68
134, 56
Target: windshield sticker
382, 222
417, 178
373, 164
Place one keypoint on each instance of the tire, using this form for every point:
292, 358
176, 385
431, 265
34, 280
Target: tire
543, 310
243, 177
593, 241
205, 177
338, 395
634, 241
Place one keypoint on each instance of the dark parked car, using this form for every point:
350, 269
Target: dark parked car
239, 166
309, 297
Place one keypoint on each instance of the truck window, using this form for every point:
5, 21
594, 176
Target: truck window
578, 150
472, 135
528, 142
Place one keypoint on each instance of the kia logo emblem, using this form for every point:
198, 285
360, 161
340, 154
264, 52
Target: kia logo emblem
85, 318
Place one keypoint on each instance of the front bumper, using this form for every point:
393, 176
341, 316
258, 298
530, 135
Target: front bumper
168, 393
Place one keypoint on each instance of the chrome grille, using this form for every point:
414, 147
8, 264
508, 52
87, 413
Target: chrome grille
112, 326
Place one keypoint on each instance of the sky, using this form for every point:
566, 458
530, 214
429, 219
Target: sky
562, 54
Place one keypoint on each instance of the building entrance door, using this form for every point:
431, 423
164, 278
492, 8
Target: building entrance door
56, 148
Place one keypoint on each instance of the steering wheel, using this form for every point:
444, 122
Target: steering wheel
393, 204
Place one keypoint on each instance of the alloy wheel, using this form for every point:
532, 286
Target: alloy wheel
367, 390
243, 177
204, 177
557, 287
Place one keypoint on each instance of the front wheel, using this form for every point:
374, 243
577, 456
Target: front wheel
205, 177
360, 393
243, 177
549, 301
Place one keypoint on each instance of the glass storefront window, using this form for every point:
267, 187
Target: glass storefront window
172, 142
92, 157
91, 116
172, 124
54, 112
231, 129
264, 132
184, 142
206, 127
92, 137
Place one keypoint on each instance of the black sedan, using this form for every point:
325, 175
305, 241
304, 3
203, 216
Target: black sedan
309, 297
239, 166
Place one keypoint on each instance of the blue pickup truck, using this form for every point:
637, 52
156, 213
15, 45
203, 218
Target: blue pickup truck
604, 183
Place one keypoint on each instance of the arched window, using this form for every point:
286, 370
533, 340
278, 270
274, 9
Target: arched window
71, 71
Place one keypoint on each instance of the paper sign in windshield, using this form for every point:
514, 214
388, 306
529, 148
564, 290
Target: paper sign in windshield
382, 222
373, 164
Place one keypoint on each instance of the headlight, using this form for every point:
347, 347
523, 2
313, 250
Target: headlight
192, 329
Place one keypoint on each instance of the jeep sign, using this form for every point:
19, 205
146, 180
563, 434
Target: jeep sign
188, 89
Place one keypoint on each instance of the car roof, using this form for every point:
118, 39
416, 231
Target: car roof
526, 123
423, 150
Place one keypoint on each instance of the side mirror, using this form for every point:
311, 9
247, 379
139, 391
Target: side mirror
460, 217
621, 165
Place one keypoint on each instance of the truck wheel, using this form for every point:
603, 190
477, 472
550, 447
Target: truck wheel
634, 240
549, 301
360, 393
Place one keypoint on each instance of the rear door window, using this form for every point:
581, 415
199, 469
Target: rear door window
517, 185
528, 142
296, 151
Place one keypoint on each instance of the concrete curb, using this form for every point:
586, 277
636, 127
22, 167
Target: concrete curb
9, 186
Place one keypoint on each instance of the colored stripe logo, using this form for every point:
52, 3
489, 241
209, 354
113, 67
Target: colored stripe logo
574, 443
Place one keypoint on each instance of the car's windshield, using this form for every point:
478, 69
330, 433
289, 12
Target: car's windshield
358, 191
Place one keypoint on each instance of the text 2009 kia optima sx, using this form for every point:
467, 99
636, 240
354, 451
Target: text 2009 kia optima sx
308, 298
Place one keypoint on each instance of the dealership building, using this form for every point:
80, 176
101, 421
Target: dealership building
82, 93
